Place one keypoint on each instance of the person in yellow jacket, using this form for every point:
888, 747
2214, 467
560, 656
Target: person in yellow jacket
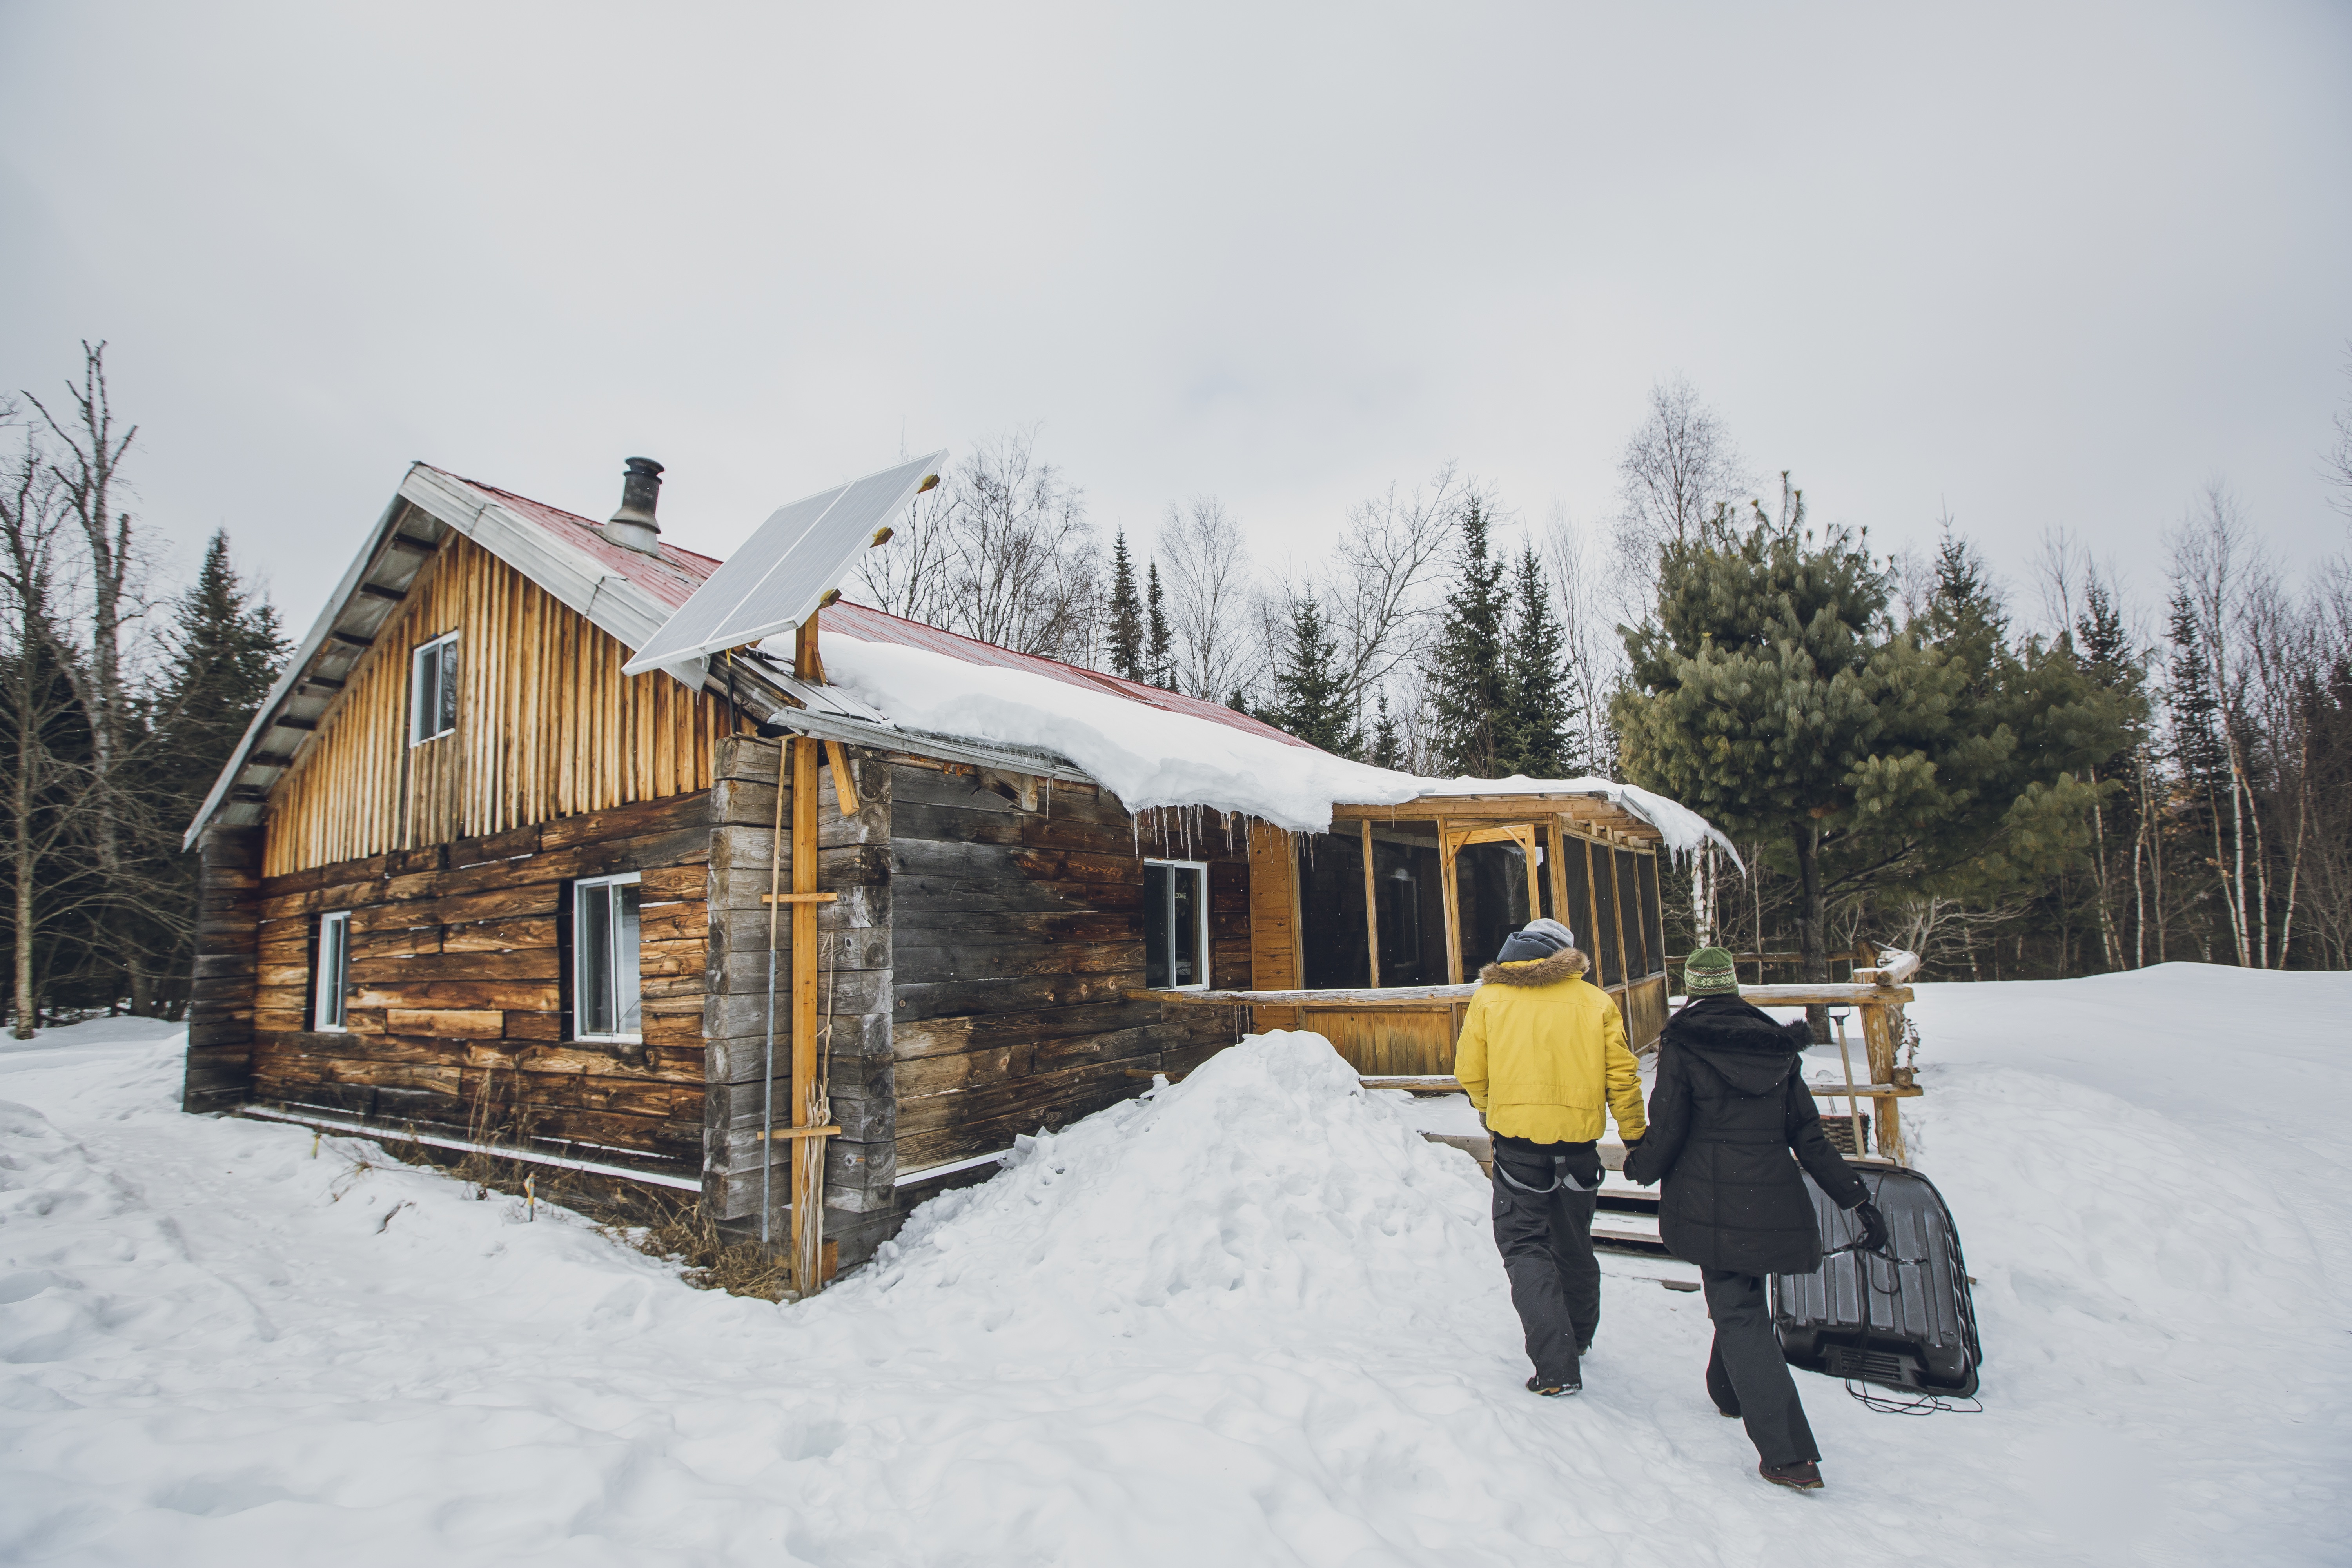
1543, 1055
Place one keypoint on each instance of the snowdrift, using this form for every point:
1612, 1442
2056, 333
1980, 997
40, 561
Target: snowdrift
1268, 1186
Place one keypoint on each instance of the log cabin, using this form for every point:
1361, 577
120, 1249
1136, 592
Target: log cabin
468, 882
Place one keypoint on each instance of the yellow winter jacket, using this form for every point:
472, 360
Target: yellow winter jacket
1542, 1050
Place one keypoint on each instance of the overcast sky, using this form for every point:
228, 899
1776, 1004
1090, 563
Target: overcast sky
2037, 265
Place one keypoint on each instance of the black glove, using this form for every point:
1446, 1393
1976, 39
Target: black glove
1874, 1227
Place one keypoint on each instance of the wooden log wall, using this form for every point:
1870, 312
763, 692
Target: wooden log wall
1016, 930
455, 1003
221, 1000
853, 991
547, 727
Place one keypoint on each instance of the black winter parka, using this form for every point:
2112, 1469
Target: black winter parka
1727, 1110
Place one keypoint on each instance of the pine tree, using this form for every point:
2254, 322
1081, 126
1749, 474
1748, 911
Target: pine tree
227, 649
1467, 676
1126, 615
1536, 669
1159, 645
1387, 750
1771, 693
1310, 698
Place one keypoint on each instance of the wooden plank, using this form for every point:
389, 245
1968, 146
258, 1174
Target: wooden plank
1372, 911
1388, 996
1825, 994
1274, 908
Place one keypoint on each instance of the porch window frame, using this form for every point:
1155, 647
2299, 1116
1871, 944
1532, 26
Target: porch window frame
1168, 914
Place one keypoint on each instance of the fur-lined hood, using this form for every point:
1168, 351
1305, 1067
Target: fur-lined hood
1565, 964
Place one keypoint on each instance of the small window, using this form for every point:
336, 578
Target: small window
433, 691
334, 968
604, 1001
1176, 925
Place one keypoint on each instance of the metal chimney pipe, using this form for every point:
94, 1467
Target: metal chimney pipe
633, 527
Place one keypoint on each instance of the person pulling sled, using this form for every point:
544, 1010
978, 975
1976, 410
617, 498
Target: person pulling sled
1541, 1051
1729, 1111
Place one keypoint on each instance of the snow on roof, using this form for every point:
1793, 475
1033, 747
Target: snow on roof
1151, 748
870, 625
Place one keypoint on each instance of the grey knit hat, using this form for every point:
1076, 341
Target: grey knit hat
1709, 971
1537, 939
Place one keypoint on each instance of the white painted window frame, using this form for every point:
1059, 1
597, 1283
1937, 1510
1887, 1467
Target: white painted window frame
334, 974
418, 715
1201, 905
580, 1013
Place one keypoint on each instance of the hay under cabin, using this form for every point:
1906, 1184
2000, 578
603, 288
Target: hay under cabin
805, 931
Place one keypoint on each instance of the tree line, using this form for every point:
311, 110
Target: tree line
2092, 780
2090, 775
117, 708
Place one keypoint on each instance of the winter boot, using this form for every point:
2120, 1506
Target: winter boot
1803, 1475
1553, 1388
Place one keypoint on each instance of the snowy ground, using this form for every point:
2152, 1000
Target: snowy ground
1254, 1320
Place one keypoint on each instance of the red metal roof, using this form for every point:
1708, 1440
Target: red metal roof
674, 578
876, 625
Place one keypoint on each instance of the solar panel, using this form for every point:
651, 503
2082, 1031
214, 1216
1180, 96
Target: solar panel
776, 581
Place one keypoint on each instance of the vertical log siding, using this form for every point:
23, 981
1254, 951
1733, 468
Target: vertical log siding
547, 727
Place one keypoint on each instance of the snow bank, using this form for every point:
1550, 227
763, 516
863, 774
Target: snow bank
1249, 1319
1149, 757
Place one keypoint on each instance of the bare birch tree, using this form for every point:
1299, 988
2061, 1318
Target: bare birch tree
1211, 603
1678, 466
999, 550
1580, 575
48, 784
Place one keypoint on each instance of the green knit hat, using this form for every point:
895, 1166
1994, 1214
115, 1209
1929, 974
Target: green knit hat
1709, 972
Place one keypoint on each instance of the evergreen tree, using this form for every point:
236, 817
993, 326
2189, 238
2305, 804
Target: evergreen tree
1468, 675
1311, 699
2197, 748
227, 649
1535, 728
1126, 615
1387, 750
1771, 693
1159, 644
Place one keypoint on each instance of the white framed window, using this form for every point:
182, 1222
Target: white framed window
1176, 925
334, 970
604, 987
433, 691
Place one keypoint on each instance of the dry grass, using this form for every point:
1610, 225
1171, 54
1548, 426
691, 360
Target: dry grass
674, 1230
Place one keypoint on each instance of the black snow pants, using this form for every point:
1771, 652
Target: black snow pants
1746, 1372
1546, 1239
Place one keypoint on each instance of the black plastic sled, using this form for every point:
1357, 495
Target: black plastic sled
1901, 1319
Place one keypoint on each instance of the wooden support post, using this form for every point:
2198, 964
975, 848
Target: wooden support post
1556, 842
1880, 1022
1452, 902
1371, 909
1592, 922
1528, 842
808, 1153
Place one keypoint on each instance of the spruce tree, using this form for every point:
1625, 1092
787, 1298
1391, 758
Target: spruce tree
1467, 676
227, 649
1386, 750
1311, 697
1126, 615
1159, 645
1536, 727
